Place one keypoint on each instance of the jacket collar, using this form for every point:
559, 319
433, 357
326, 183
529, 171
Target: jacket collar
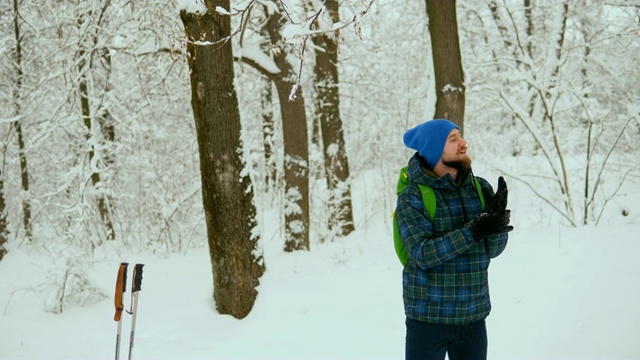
420, 173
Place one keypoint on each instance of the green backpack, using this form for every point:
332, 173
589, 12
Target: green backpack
429, 200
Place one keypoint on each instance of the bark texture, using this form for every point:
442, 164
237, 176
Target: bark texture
328, 113
296, 143
447, 61
227, 195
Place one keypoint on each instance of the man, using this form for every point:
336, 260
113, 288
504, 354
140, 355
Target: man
445, 283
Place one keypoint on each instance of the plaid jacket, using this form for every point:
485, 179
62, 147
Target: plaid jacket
445, 280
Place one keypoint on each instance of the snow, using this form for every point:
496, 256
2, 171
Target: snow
195, 7
222, 11
333, 149
259, 57
294, 31
557, 293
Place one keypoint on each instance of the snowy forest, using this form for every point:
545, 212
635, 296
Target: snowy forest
108, 148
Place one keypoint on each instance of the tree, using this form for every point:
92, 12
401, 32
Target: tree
122, 58
296, 143
96, 119
226, 190
267, 113
447, 61
4, 230
268, 133
294, 118
558, 83
276, 66
294, 129
17, 124
327, 113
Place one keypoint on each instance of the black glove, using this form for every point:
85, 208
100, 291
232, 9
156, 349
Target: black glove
499, 202
489, 223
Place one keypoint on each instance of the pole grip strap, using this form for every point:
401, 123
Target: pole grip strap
121, 287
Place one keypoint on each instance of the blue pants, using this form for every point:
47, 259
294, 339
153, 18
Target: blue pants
433, 341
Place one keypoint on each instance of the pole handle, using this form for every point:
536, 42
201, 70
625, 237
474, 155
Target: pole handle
124, 266
121, 288
137, 277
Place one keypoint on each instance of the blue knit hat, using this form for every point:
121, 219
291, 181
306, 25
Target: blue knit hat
428, 139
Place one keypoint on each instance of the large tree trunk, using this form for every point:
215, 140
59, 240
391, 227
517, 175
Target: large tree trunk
296, 144
227, 195
447, 62
328, 111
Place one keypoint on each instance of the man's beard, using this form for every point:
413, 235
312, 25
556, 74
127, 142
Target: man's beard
459, 164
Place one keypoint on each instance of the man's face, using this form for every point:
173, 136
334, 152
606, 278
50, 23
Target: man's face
455, 151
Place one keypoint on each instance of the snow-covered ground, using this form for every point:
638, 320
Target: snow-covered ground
558, 293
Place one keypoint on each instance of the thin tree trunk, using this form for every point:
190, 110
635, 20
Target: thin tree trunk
4, 230
17, 89
296, 145
85, 105
560, 43
268, 122
522, 48
227, 195
528, 17
268, 132
549, 114
328, 112
447, 61
24, 172
85, 66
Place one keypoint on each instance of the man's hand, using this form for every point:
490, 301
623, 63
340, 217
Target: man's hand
489, 223
499, 202
495, 219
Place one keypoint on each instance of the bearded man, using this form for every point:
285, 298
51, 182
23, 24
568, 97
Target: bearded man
445, 280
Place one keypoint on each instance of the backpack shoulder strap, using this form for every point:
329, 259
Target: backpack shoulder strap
476, 184
428, 195
429, 200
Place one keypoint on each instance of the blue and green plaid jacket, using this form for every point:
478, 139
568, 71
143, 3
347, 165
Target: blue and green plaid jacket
445, 280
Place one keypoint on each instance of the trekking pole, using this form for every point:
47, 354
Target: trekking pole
121, 288
137, 286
